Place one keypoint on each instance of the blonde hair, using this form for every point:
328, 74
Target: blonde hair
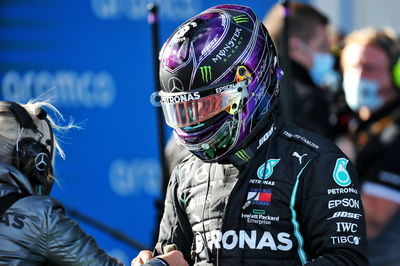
384, 39
11, 131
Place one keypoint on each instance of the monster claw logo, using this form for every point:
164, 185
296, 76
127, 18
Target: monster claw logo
243, 155
206, 74
241, 19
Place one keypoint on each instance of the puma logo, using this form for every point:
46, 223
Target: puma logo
295, 154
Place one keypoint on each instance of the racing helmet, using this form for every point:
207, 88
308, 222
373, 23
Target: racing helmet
219, 75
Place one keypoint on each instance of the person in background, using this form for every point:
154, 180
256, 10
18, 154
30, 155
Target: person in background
34, 229
371, 81
256, 190
311, 61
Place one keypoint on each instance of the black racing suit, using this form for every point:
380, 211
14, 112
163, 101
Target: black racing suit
303, 207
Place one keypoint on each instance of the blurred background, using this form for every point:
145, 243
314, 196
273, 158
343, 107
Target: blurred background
94, 60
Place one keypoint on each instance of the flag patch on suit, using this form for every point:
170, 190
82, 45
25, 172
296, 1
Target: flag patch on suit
260, 196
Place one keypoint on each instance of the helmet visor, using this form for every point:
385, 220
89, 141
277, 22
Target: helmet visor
191, 108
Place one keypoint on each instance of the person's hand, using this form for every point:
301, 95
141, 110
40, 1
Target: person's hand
174, 258
142, 257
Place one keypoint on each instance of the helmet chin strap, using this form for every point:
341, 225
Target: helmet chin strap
224, 139
38, 189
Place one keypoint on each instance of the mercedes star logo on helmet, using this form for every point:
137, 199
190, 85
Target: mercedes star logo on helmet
41, 161
175, 85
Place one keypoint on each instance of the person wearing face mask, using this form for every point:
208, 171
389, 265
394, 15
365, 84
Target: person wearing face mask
312, 63
371, 75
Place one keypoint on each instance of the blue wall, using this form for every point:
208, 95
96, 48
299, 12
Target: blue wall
93, 59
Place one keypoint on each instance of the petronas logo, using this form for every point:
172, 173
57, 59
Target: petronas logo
206, 75
264, 172
340, 174
241, 19
243, 155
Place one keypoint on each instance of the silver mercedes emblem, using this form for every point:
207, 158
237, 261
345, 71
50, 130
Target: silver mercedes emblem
41, 161
175, 85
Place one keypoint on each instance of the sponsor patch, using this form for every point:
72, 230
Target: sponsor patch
254, 239
344, 214
260, 197
346, 202
241, 19
13, 220
258, 216
265, 172
298, 156
302, 139
241, 154
355, 240
264, 182
345, 190
346, 227
340, 174
265, 137
206, 73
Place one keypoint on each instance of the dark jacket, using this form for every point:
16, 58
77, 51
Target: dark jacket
302, 207
378, 141
310, 107
35, 230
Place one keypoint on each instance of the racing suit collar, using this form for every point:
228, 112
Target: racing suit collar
258, 138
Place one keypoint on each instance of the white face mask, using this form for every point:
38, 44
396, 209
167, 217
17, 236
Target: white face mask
361, 92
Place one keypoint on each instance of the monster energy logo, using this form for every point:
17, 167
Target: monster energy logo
243, 155
206, 73
241, 19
